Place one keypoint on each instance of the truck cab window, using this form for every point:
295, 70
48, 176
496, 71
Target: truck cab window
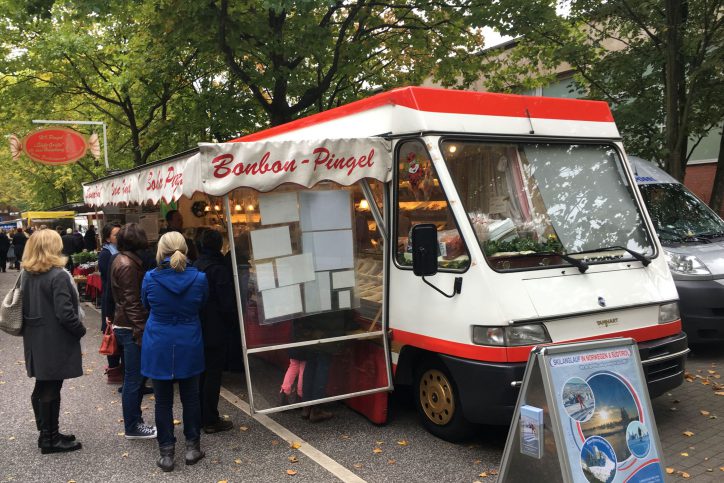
420, 199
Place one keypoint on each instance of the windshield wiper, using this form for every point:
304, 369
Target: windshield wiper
579, 264
645, 261
713, 234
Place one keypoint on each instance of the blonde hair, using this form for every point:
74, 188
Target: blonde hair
172, 244
43, 251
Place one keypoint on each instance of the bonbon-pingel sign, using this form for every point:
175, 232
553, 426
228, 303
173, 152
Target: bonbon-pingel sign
55, 146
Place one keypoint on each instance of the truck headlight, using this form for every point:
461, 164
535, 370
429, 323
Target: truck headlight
685, 264
511, 335
669, 313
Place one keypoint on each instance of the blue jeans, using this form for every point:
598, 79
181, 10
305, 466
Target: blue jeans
189, 392
131, 396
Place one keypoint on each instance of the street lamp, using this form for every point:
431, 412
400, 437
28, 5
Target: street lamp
94, 123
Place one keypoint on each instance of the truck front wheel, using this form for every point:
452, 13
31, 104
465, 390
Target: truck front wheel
438, 402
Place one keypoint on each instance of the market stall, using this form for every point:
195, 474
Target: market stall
51, 219
305, 236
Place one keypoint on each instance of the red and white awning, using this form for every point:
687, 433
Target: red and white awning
264, 165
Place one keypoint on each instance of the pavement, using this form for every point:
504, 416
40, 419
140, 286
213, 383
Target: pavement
282, 447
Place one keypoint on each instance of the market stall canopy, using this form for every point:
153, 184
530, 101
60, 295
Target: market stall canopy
218, 168
48, 215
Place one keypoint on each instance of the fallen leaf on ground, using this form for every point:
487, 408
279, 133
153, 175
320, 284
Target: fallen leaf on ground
344, 436
275, 442
223, 481
125, 455
669, 471
243, 428
402, 443
684, 454
378, 443
704, 413
483, 474
295, 445
688, 433
391, 462
293, 459
121, 433
360, 465
684, 474
719, 393
711, 372
477, 462
493, 472
237, 461
377, 450
176, 422
291, 472
11, 438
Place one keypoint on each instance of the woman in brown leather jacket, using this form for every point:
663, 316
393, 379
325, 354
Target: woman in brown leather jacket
129, 320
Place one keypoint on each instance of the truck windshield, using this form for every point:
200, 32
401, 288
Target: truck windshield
679, 216
529, 203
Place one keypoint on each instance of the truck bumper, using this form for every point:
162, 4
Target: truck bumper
489, 391
701, 303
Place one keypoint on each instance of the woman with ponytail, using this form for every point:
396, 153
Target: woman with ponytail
173, 349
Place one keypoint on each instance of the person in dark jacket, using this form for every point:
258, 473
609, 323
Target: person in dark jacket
52, 329
89, 239
108, 307
69, 248
173, 348
218, 318
129, 321
4, 247
19, 241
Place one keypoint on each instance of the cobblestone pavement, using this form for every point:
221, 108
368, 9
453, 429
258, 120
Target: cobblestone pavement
690, 419
690, 422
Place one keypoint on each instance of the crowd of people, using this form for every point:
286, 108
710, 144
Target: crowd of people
170, 312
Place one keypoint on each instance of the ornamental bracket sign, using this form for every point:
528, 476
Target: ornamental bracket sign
55, 146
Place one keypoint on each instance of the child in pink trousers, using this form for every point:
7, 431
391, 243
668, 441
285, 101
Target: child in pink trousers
296, 368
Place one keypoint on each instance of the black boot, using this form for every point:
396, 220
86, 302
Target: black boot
165, 460
38, 422
50, 440
193, 452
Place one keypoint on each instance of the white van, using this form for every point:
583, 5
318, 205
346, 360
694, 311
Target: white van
693, 238
441, 234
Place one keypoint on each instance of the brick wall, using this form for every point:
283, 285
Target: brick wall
699, 179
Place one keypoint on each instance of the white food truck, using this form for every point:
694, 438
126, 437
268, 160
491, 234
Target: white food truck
425, 237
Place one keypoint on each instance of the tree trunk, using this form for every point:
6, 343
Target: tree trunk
676, 159
717, 190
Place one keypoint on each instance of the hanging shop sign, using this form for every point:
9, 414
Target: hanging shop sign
584, 415
264, 165
55, 146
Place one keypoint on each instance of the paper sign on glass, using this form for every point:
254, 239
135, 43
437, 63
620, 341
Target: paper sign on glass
325, 210
344, 299
343, 279
295, 269
317, 294
282, 301
332, 250
278, 208
271, 243
265, 276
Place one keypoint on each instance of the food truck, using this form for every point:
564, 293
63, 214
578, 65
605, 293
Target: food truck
426, 237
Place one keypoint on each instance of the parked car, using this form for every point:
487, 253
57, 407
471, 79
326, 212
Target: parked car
692, 235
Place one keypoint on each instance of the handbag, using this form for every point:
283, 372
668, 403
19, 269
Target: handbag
109, 347
11, 310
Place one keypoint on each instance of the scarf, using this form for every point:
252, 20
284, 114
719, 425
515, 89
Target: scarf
111, 248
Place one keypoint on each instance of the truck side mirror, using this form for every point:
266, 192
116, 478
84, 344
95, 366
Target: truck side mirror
424, 249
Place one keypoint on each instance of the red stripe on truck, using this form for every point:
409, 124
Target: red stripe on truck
454, 102
518, 354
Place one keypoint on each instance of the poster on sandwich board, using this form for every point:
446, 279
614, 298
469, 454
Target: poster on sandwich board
597, 421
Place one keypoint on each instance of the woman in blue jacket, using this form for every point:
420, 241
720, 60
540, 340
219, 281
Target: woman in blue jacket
173, 349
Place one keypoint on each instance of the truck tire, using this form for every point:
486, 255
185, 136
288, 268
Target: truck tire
438, 402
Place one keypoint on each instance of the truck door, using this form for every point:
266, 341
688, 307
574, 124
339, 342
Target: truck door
310, 271
422, 320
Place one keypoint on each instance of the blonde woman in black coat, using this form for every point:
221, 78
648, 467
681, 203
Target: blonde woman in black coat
52, 329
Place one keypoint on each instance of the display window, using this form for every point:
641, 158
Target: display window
421, 199
310, 267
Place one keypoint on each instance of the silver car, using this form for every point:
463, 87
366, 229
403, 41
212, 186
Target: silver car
693, 238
